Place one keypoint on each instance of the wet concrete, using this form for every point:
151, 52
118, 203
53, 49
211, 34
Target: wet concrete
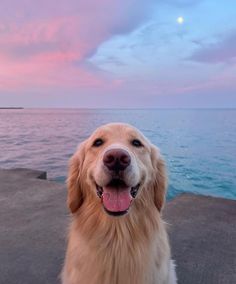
34, 219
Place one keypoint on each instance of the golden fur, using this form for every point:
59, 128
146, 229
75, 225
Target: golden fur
130, 249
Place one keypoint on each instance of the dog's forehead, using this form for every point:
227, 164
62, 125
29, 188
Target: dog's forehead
117, 130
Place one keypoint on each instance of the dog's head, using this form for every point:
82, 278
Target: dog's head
116, 166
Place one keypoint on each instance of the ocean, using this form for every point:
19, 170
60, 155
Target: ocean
199, 146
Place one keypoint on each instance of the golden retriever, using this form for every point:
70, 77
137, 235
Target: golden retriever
116, 191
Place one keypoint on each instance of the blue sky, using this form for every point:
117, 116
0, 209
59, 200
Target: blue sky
118, 53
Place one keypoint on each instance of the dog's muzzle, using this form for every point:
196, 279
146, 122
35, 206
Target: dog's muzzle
117, 196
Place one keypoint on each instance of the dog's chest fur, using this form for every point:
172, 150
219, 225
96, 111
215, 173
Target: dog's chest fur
121, 253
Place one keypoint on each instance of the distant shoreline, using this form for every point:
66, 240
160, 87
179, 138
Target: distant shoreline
11, 108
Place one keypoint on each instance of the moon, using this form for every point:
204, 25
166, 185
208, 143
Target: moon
180, 20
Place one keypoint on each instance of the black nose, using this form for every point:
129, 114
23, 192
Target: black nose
116, 159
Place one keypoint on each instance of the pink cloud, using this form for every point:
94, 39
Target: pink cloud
45, 71
48, 46
83, 28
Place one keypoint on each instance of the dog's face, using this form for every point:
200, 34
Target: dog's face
114, 165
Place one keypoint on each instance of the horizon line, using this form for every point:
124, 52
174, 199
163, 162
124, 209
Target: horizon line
121, 108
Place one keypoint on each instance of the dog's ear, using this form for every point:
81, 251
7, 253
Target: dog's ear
159, 182
75, 195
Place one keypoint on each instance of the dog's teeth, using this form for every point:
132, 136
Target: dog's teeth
134, 191
99, 191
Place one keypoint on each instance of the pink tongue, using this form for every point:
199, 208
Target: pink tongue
116, 200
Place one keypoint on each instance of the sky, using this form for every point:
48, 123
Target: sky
118, 53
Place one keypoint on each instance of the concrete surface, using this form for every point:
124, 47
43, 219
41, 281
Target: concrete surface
33, 222
203, 237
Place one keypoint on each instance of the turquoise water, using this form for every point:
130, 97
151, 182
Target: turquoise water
199, 146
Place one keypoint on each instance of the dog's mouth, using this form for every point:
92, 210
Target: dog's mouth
117, 196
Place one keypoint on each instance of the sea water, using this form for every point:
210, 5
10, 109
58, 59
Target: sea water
199, 146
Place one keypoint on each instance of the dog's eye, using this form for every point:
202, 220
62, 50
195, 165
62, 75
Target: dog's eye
136, 143
98, 142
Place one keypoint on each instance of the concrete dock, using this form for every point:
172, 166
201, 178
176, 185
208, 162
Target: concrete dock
34, 218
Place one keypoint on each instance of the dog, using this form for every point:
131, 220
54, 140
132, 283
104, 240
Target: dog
116, 192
